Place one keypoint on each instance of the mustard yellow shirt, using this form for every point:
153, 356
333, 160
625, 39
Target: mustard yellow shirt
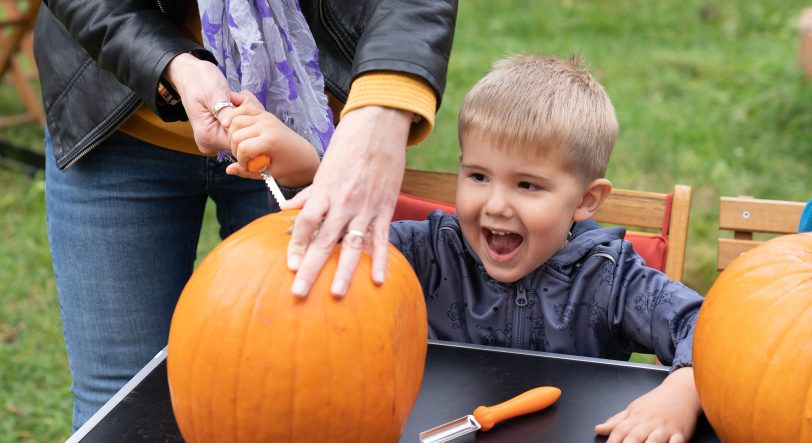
379, 88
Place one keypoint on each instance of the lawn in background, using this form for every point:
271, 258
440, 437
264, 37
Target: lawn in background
708, 94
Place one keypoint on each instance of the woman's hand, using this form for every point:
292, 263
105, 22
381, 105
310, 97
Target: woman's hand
666, 414
201, 85
354, 191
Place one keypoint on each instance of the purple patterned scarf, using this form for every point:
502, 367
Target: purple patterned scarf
265, 46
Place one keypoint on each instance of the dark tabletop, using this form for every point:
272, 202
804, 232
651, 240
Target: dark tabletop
457, 379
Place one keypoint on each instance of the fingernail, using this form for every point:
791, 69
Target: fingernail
299, 288
379, 276
339, 288
294, 261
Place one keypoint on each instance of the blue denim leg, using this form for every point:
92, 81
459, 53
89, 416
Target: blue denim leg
123, 227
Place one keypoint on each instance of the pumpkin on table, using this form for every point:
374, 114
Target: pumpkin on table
248, 361
753, 345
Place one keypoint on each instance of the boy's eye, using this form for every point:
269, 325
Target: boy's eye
529, 186
478, 177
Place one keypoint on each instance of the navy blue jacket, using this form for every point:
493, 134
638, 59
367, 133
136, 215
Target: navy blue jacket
595, 297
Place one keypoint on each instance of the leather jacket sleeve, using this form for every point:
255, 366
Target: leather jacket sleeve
406, 36
414, 37
133, 39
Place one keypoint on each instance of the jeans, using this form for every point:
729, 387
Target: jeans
123, 227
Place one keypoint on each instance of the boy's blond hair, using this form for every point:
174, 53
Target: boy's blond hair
549, 104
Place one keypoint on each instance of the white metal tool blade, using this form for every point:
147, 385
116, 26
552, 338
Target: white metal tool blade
271, 183
262, 165
451, 430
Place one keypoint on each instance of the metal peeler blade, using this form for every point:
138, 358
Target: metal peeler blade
450, 430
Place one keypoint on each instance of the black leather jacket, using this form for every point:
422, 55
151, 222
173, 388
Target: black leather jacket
99, 60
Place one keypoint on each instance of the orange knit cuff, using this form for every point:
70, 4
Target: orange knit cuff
399, 91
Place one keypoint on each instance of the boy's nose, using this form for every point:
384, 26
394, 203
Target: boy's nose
498, 204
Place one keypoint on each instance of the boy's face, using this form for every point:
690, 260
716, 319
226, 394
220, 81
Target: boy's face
515, 210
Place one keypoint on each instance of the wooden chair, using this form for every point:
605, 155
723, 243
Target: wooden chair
661, 219
751, 221
17, 18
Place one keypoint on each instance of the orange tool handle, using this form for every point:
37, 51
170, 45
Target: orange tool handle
531, 401
259, 163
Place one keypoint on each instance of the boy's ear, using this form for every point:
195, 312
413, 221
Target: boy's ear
594, 196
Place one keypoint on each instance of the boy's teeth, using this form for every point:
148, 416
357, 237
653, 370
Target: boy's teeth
499, 232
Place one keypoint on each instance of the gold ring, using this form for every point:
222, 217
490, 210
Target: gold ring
219, 106
356, 233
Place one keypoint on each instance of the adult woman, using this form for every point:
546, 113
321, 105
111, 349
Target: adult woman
124, 214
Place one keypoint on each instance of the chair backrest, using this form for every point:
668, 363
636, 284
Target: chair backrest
746, 216
666, 214
17, 19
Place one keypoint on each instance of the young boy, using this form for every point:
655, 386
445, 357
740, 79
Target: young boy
520, 266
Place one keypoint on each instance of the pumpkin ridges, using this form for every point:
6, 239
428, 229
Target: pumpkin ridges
806, 426
770, 390
308, 369
374, 398
203, 404
244, 345
343, 330
387, 365
214, 280
197, 400
751, 332
419, 327
232, 375
781, 387
752, 353
271, 390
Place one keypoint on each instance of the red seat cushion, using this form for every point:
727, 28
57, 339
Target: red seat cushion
653, 248
410, 207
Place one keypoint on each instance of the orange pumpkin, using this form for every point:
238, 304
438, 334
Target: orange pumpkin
248, 361
753, 345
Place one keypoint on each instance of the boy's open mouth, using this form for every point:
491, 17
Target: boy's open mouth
502, 242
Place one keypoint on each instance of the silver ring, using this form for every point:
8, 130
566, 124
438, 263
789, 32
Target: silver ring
356, 233
219, 106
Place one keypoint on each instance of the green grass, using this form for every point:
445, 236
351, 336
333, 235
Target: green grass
707, 94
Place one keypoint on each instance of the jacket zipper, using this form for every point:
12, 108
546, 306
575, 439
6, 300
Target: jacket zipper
333, 34
107, 131
518, 317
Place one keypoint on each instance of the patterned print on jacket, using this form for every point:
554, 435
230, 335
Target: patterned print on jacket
595, 297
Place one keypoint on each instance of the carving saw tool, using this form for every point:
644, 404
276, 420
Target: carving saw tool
262, 165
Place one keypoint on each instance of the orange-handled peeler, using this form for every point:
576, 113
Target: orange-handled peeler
484, 417
262, 165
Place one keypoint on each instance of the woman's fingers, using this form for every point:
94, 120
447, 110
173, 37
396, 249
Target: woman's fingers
352, 246
380, 248
297, 202
304, 229
355, 188
201, 86
317, 251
